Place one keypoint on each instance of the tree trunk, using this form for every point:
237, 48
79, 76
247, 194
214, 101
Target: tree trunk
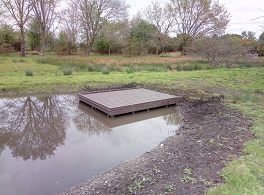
89, 48
43, 43
157, 50
23, 42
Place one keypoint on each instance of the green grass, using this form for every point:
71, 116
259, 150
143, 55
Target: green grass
246, 175
242, 88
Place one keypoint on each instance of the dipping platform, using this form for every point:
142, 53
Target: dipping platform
117, 102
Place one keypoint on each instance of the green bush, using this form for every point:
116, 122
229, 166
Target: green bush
197, 67
169, 67
130, 70
102, 45
105, 71
179, 68
29, 73
68, 70
91, 68
189, 67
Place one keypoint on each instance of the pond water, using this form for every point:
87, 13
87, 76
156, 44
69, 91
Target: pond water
50, 143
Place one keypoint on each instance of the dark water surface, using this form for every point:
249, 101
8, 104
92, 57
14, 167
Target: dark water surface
50, 143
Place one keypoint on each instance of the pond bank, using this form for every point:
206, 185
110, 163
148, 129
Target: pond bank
189, 162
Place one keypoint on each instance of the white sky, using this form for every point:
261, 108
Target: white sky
242, 12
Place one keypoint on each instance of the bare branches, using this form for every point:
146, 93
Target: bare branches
161, 17
217, 50
46, 15
19, 10
70, 22
199, 17
94, 13
259, 17
35, 127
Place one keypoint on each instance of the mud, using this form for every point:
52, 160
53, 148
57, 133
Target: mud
189, 162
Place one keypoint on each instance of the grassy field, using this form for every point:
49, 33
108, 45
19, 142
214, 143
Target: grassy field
241, 85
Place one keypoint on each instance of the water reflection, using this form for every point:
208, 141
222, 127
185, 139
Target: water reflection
32, 127
172, 118
80, 142
86, 123
104, 124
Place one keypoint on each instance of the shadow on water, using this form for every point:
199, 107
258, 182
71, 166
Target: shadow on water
51, 143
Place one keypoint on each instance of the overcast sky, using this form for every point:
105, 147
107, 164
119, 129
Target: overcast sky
242, 13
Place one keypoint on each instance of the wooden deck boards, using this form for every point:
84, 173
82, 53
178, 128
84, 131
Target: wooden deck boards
128, 100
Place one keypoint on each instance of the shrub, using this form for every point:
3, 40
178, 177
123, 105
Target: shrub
102, 45
105, 71
185, 67
179, 68
189, 67
197, 67
169, 67
217, 50
68, 70
130, 70
91, 68
29, 73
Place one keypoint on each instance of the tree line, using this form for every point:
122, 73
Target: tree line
104, 26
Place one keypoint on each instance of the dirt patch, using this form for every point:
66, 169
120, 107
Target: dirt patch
189, 162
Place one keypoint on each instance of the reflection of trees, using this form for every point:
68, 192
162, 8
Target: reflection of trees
32, 127
4, 137
87, 124
173, 119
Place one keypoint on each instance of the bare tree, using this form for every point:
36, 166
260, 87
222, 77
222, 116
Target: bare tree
93, 15
197, 18
70, 23
46, 15
70, 33
32, 127
115, 35
259, 17
88, 125
217, 50
19, 10
162, 18
1, 13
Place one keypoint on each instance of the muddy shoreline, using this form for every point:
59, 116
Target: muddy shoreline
189, 162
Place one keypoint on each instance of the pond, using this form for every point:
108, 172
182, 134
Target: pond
50, 143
